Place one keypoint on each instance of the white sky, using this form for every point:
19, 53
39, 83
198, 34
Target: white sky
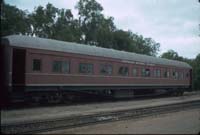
172, 23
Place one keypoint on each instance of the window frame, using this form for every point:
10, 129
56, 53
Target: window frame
166, 73
186, 74
181, 75
144, 72
149, 72
157, 73
122, 69
40, 65
61, 66
68, 63
54, 64
107, 66
135, 74
87, 67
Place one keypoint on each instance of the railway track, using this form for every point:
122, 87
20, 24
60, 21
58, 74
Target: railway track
75, 121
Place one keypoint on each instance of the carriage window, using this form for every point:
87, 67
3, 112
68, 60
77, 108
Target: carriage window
166, 74
123, 71
61, 66
135, 70
145, 72
157, 73
154, 73
57, 66
106, 69
175, 74
36, 64
66, 66
181, 75
86, 68
187, 75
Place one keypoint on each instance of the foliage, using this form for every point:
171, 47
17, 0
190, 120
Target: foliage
145, 45
91, 18
42, 20
128, 41
196, 72
105, 33
195, 63
171, 54
91, 27
13, 20
66, 27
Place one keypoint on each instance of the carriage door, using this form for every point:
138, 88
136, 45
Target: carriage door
18, 69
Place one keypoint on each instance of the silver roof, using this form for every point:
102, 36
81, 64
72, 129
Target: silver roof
61, 46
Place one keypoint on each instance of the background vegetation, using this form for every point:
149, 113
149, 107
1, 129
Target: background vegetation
90, 27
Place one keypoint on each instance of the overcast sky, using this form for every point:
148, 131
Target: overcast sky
172, 23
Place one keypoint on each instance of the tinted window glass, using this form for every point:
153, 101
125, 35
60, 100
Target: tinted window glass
187, 75
154, 73
166, 74
157, 73
66, 66
176, 75
36, 64
181, 76
173, 74
86, 68
145, 72
106, 69
135, 70
123, 71
57, 66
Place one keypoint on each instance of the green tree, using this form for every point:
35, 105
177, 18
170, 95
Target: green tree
13, 20
66, 28
105, 32
91, 27
43, 20
145, 45
128, 41
90, 17
171, 54
123, 41
196, 73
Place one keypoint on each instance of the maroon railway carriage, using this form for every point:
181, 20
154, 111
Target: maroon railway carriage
38, 68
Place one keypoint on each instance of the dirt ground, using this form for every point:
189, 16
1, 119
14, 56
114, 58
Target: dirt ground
183, 122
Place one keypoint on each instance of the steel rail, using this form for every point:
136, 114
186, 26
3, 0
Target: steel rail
75, 121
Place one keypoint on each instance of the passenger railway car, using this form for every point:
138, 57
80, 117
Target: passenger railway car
38, 69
